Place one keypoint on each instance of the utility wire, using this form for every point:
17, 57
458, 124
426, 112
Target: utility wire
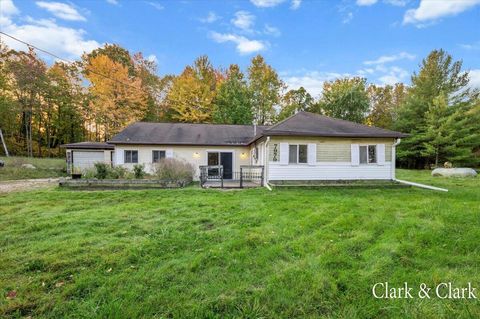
67, 61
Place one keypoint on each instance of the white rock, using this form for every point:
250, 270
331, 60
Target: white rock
29, 166
454, 172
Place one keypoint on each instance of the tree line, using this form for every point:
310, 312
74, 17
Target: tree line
43, 106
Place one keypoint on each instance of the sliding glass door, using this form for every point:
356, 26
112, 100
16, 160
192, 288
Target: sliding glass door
220, 158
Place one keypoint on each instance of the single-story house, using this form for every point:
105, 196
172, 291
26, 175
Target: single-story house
304, 147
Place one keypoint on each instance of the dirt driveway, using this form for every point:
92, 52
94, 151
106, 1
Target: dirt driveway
26, 184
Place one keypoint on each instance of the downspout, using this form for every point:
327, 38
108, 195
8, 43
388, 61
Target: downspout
265, 159
394, 156
406, 182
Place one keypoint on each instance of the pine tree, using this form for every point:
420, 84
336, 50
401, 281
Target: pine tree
440, 84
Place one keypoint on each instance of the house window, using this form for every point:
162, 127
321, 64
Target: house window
302, 154
297, 154
368, 154
157, 156
131, 156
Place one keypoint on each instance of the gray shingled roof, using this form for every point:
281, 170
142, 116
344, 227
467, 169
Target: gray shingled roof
89, 145
185, 134
311, 124
300, 124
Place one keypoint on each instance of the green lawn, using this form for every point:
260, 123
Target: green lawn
45, 168
193, 253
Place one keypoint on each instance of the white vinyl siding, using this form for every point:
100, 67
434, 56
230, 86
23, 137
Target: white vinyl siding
333, 152
331, 171
333, 159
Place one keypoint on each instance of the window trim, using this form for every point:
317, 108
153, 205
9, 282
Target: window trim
153, 157
131, 157
359, 154
298, 154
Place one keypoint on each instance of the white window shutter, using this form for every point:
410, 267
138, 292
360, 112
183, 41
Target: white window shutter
355, 154
169, 153
312, 154
119, 157
283, 153
381, 154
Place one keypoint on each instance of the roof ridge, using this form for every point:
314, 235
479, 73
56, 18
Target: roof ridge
216, 124
282, 121
349, 122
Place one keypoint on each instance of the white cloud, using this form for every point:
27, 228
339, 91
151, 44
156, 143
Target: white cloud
8, 8
295, 4
431, 10
366, 2
46, 34
387, 74
114, 2
266, 3
390, 58
156, 5
474, 78
210, 18
347, 17
244, 45
398, 3
243, 20
61, 10
312, 81
471, 46
394, 75
152, 58
272, 30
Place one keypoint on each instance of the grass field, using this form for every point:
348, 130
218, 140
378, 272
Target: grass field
193, 253
45, 168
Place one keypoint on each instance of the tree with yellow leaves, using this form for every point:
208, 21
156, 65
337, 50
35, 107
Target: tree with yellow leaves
117, 98
191, 97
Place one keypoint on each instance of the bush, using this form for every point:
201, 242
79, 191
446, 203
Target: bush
138, 171
174, 170
89, 173
101, 170
117, 172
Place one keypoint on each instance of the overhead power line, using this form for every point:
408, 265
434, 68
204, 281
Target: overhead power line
67, 61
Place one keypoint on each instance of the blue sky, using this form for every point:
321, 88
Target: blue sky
307, 42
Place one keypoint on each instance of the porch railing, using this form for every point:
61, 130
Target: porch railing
248, 175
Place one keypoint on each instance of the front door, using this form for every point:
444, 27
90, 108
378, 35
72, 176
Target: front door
226, 161
220, 158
